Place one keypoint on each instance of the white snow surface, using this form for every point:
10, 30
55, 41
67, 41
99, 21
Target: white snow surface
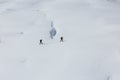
91, 47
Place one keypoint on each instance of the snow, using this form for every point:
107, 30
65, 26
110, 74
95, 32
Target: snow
90, 50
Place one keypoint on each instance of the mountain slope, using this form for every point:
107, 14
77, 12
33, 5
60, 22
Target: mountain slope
90, 50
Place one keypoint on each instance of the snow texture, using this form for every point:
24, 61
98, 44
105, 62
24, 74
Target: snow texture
91, 47
53, 31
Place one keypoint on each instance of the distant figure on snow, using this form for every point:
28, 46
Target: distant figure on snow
61, 39
41, 41
109, 78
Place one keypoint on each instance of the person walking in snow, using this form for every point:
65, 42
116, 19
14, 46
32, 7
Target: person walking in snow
61, 39
41, 41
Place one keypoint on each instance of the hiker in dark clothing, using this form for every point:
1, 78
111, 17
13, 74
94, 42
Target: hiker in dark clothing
61, 39
41, 42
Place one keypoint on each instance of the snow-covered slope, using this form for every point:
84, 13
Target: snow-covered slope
90, 29
21, 17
